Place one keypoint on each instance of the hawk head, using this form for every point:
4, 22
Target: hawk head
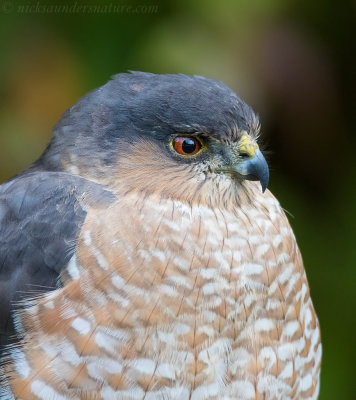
180, 136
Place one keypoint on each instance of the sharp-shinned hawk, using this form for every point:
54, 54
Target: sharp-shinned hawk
140, 259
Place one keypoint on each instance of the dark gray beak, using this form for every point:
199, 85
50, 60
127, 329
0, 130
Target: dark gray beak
254, 169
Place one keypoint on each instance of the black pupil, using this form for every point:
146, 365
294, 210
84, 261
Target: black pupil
189, 146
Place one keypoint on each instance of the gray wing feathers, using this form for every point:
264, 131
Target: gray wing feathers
41, 214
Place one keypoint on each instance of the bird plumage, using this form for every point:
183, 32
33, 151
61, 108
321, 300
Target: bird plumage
178, 277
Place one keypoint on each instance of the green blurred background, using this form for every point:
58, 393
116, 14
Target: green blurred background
293, 61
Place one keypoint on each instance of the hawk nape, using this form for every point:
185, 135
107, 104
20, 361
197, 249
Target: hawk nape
142, 258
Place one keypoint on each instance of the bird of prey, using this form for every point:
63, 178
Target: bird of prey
141, 256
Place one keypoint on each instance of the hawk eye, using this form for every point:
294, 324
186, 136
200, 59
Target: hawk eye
186, 145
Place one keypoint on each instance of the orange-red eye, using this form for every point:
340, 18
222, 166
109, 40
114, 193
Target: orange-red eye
186, 145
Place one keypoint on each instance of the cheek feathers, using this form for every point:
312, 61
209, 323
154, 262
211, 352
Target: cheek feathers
149, 167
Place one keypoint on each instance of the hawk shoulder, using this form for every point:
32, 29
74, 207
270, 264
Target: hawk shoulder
41, 214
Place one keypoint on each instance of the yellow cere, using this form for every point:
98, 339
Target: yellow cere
247, 145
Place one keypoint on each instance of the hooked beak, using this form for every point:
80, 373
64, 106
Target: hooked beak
253, 166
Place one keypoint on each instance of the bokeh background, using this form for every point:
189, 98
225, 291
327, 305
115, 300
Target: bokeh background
292, 60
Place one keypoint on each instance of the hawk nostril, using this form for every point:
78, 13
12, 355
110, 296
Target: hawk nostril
244, 154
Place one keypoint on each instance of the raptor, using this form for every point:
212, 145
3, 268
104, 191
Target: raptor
142, 257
